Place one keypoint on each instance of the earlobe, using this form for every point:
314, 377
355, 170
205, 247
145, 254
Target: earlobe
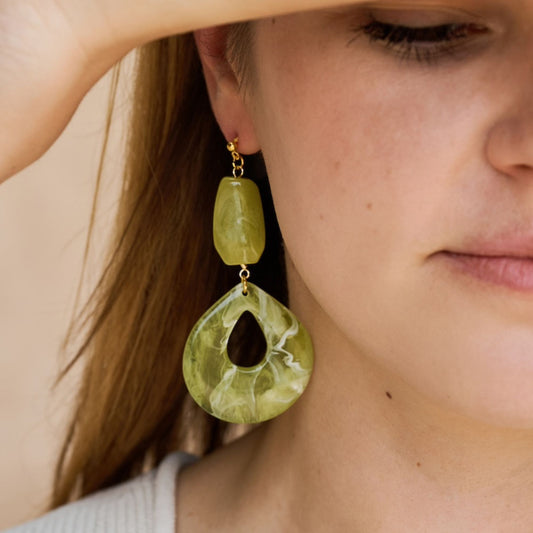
226, 96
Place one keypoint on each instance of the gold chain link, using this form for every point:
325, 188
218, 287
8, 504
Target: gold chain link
238, 161
238, 172
245, 276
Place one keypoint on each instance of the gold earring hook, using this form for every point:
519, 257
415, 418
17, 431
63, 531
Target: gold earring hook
238, 161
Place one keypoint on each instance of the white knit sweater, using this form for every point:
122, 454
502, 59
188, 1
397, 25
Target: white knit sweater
144, 504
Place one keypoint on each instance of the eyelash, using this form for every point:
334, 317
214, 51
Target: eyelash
423, 44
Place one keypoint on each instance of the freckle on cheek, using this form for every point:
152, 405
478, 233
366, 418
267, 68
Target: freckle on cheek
369, 206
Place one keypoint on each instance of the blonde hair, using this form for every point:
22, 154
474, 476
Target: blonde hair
162, 274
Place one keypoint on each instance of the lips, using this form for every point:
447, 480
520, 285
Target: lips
509, 244
505, 260
513, 272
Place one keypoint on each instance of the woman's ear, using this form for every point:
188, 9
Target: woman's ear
226, 96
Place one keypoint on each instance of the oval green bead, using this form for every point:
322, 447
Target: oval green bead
247, 395
238, 222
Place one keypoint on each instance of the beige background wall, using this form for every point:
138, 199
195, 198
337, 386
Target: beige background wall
44, 217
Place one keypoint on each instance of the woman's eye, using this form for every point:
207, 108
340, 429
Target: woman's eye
424, 44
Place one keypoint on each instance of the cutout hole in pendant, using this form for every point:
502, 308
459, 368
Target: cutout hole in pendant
246, 344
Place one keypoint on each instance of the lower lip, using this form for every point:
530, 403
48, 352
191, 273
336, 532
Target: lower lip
512, 272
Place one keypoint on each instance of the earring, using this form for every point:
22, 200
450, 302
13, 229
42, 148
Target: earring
245, 395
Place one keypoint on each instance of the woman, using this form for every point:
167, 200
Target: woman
398, 141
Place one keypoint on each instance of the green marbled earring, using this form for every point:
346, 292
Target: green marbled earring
245, 395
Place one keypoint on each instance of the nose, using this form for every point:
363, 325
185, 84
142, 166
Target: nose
509, 146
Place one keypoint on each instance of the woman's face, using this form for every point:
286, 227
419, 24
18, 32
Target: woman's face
390, 145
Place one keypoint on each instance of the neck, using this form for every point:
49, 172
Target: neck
362, 451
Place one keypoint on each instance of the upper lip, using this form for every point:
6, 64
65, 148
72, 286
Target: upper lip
506, 244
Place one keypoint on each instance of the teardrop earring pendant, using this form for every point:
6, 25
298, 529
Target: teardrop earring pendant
245, 395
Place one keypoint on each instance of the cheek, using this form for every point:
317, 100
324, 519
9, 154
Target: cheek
367, 163
356, 173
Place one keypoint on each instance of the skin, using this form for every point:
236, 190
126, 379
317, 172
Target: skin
419, 415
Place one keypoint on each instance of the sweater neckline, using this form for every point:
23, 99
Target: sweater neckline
165, 490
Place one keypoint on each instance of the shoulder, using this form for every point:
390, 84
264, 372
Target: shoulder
144, 504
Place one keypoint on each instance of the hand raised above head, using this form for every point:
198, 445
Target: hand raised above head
53, 51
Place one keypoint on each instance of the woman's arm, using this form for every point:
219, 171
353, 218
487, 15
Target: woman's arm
53, 51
